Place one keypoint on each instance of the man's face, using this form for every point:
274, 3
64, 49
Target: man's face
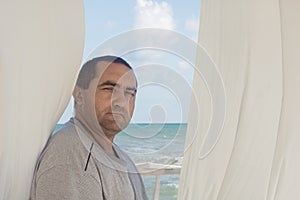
114, 97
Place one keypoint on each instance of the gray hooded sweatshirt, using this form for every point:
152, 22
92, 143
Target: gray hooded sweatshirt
65, 170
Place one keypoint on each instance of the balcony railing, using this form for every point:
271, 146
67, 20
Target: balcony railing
154, 169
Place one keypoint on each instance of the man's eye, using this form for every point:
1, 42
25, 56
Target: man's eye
131, 93
108, 88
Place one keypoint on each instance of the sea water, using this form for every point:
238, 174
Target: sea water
156, 143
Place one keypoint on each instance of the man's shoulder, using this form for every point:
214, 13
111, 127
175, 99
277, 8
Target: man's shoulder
63, 144
66, 135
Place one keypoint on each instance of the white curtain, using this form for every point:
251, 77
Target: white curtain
41, 45
255, 45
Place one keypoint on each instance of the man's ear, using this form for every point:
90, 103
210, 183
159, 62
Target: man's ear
78, 96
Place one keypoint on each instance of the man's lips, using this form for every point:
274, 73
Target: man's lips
116, 113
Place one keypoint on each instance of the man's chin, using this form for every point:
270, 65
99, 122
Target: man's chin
114, 126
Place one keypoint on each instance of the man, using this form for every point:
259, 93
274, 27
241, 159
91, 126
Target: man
81, 161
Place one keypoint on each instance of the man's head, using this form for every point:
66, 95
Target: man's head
109, 84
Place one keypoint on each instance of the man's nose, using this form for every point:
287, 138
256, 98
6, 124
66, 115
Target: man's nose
119, 98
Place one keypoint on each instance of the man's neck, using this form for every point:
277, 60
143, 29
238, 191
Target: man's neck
105, 142
101, 138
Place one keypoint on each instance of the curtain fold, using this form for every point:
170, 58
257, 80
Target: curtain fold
255, 46
41, 46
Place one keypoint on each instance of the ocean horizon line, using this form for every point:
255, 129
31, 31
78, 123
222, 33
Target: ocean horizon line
148, 123
158, 123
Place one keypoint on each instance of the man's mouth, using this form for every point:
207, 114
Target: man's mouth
116, 113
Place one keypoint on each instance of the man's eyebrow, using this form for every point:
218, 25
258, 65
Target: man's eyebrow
111, 83
131, 89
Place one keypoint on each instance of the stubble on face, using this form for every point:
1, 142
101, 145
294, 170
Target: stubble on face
114, 97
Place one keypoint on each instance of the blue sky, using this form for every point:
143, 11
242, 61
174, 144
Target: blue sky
156, 103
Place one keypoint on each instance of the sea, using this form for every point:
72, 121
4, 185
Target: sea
155, 143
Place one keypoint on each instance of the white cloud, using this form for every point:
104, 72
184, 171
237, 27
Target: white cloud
192, 24
151, 14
